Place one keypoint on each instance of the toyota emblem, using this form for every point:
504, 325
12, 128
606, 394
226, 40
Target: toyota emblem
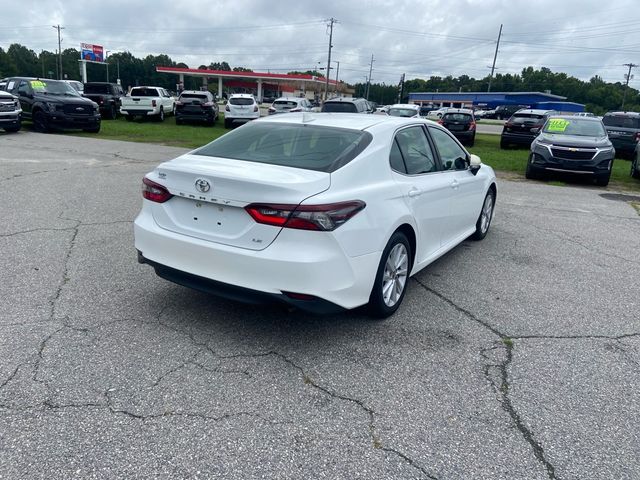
202, 185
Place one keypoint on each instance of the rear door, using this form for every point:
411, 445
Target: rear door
622, 131
22, 89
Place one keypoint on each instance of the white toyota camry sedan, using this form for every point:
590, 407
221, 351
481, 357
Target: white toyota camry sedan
318, 210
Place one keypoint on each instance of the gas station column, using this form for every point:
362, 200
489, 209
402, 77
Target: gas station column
219, 87
260, 90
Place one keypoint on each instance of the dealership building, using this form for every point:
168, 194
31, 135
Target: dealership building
541, 100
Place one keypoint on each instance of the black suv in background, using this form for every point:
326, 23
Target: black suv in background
106, 95
523, 127
462, 123
52, 104
199, 106
505, 111
623, 129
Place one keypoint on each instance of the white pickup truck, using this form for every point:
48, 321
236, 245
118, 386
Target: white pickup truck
147, 102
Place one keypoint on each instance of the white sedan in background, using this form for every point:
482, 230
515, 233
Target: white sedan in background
320, 211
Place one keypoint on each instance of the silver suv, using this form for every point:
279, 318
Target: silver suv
241, 107
346, 105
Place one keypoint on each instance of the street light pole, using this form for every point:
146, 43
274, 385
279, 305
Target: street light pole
106, 60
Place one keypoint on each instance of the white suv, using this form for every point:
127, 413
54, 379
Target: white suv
241, 107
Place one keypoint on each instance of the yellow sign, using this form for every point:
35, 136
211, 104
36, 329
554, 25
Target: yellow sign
557, 125
38, 85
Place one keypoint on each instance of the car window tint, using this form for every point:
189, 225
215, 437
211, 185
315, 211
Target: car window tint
241, 101
395, 158
416, 151
452, 155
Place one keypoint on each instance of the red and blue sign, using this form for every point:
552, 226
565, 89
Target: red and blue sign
92, 53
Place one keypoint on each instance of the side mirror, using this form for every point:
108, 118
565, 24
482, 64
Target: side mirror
474, 164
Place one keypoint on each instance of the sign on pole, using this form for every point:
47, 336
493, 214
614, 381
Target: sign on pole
91, 53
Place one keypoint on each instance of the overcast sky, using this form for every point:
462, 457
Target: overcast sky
419, 38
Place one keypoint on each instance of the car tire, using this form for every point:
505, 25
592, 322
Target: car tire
603, 180
635, 168
392, 275
13, 129
486, 215
160, 116
40, 122
532, 173
227, 123
504, 145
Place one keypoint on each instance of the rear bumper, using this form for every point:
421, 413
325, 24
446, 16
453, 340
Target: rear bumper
298, 261
139, 111
517, 138
195, 116
464, 134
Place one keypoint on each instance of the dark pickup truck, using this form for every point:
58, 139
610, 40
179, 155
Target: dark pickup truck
106, 95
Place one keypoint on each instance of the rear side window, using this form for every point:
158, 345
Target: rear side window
241, 101
99, 89
339, 107
621, 121
144, 92
457, 117
324, 149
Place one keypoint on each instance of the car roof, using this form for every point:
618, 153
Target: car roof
622, 114
574, 117
534, 111
459, 110
353, 121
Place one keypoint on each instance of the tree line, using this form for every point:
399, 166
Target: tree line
598, 96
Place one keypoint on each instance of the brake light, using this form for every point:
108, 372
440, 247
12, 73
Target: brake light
154, 191
255, 109
472, 126
153, 103
271, 109
508, 125
637, 136
226, 108
441, 122
326, 217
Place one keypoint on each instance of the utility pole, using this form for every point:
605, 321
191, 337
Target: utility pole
495, 56
42, 61
401, 89
369, 79
58, 27
326, 86
626, 86
337, 73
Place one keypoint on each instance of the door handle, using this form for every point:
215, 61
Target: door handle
414, 192
455, 184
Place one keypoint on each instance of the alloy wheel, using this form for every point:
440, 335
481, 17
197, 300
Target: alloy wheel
486, 214
396, 271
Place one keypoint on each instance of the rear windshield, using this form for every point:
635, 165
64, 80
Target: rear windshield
525, 118
621, 121
312, 147
202, 98
241, 101
339, 107
144, 92
574, 126
403, 112
457, 117
284, 104
88, 88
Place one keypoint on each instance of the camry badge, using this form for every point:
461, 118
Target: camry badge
202, 185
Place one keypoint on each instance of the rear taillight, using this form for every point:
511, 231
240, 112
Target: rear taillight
154, 191
472, 126
153, 103
227, 109
441, 122
508, 125
325, 217
271, 109
256, 109
637, 136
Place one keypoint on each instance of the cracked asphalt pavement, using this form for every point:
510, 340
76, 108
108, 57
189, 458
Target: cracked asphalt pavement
517, 357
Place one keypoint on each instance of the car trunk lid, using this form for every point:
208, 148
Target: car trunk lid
210, 195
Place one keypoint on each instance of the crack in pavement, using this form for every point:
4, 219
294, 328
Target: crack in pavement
503, 388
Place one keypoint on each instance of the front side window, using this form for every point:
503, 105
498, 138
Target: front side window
452, 155
416, 151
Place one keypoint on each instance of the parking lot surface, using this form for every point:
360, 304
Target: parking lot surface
514, 357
